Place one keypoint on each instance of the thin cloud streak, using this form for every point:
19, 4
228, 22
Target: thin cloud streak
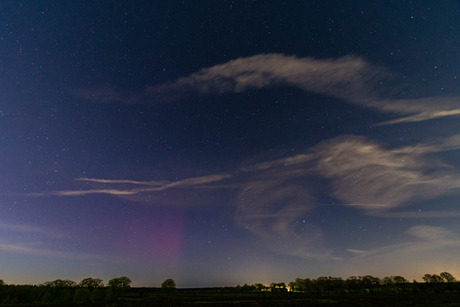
357, 251
270, 205
426, 238
271, 197
134, 182
366, 175
420, 109
417, 214
27, 250
363, 174
95, 191
436, 146
30, 229
152, 186
32, 249
350, 78
422, 117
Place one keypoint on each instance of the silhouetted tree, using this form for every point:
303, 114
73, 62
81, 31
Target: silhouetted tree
59, 283
2, 283
353, 282
120, 282
399, 280
306, 284
435, 278
91, 283
303, 285
328, 284
394, 284
168, 284
448, 277
388, 281
369, 281
427, 277
297, 285
259, 287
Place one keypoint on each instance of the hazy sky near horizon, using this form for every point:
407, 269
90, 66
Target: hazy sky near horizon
228, 142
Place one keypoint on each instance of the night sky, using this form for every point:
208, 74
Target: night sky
228, 142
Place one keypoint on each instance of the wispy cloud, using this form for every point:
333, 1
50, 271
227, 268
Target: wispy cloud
350, 78
274, 204
436, 146
95, 191
421, 247
30, 240
369, 176
273, 199
134, 182
133, 187
360, 173
419, 109
431, 233
419, 238
21, 228
35, 251
35, 235
417, 214
357, 251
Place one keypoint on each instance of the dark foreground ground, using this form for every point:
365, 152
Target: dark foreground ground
139, 297
209, 298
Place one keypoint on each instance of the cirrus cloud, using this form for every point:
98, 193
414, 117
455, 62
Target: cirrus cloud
270, 198
350, 78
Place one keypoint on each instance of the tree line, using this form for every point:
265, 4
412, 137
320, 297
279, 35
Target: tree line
360, 284
60, 292
93, 291
119, 282
64, 291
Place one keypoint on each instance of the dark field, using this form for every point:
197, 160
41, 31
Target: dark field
215, 297
229, 297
